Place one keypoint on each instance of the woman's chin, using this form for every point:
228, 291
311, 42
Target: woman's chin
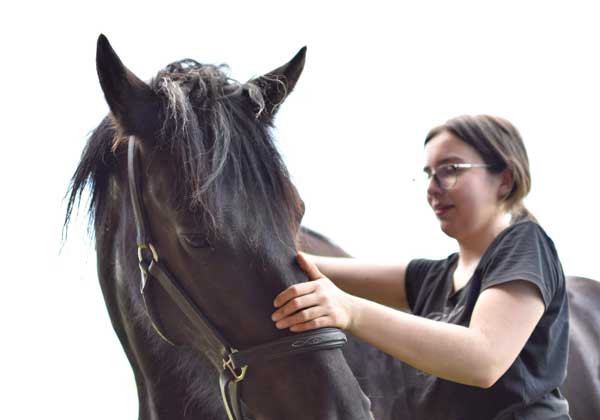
448, 228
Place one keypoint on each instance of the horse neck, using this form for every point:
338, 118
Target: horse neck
380, 376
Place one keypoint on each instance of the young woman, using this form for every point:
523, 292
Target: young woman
487, 336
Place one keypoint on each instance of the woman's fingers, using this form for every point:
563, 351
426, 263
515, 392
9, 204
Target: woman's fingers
323, 321
294, 305
313, 304
308, 267
301, 317
300, 289
292, 292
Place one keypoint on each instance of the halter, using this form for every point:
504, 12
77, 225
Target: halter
234, 362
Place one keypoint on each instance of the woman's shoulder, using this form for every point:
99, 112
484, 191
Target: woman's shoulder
525, 225
524, 232
523, 251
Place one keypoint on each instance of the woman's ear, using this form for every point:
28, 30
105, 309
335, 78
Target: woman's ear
507, 184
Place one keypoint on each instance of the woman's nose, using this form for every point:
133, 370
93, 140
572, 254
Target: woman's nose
433, 187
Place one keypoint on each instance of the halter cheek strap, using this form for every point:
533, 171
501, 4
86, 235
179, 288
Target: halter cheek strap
232, 363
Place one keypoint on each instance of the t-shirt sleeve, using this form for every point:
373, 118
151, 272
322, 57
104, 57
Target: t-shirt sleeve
416, 272
524, 253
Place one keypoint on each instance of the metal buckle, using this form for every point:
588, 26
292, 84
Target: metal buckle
152, 250
144, 264
228, 364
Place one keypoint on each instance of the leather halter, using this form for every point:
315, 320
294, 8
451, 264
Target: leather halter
234, 362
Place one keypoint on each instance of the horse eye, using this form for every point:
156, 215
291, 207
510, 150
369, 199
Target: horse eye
197, 241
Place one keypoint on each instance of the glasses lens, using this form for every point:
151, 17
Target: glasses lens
446, 176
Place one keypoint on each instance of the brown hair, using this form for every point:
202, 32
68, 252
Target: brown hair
501, 146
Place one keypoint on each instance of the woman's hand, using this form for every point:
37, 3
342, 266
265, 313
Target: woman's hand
314, 304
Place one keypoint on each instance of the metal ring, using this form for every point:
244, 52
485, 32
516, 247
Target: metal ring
152, 250
236, 376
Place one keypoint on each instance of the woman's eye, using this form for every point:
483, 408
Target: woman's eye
443, 172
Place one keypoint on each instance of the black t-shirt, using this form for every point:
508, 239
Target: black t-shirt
529, 389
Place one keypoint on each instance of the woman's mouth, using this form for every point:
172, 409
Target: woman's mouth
442, 210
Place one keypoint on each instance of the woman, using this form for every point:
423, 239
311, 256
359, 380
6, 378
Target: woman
488, 334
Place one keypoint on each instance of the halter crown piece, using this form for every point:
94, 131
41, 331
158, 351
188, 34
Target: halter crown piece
234, 362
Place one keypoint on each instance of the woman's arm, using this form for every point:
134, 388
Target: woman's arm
503, 319
379, 282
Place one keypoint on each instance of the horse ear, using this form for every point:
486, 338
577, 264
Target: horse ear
277, 84
131, 101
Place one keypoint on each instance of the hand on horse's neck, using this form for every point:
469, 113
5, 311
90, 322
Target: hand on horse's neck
471, 251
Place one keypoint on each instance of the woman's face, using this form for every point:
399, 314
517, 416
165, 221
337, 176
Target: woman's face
472, 205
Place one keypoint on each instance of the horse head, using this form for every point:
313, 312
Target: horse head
223, 216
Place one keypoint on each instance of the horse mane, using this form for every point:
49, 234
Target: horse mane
213, 129
95, 166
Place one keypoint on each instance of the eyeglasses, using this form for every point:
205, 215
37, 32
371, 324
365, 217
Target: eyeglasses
446, 175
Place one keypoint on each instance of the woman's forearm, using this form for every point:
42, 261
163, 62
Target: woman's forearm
477, 355
449, 351
379, 282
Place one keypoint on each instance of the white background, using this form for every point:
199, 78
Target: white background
378, 76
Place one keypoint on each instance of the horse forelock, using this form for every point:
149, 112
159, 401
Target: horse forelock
224, 154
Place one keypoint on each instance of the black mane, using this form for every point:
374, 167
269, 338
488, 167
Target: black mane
213, 130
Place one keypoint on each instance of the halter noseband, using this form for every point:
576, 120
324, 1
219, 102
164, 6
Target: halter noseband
234, 362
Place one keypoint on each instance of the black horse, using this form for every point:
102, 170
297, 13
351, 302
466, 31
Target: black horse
225, 219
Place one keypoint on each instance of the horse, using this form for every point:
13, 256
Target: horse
225, 220
222, 213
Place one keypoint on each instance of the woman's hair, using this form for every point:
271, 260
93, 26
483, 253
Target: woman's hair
501, 146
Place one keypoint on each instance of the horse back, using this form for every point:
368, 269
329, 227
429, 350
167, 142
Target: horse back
582, 385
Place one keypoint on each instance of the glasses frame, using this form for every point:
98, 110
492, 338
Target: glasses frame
456, 166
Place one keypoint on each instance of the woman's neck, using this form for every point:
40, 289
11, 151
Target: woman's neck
472, 247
